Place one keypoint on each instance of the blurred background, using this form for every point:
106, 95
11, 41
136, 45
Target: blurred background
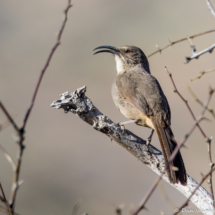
65, 159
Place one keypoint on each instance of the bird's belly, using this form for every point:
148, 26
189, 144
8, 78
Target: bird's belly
129, 110
132, 113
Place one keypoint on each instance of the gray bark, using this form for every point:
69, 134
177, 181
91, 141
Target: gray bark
82, 106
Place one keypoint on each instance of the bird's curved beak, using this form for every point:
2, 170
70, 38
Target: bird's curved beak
111, 49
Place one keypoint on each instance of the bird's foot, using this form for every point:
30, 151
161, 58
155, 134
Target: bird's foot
149, 139
122, 124
122, 127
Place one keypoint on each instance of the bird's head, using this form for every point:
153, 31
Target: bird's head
126, 57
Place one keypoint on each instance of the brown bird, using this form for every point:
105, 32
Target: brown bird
139, 97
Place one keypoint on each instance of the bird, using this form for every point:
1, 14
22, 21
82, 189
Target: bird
140, 98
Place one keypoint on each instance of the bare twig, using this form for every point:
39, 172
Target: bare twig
4, 200
178, 41
47, 64
208, 140
198, 54
186, 102
10, 119
202, 73
21, 131
8, 157
199, 118
81, 106
194, 191
166, 196
147, 196
76, 207
210, 7
210, 110
211, 167
4, 125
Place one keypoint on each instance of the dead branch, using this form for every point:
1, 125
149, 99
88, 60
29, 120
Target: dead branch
82, 107
178, 41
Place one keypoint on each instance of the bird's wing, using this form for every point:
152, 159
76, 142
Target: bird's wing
143, 91
128, 88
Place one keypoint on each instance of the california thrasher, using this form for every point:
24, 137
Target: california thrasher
139, 97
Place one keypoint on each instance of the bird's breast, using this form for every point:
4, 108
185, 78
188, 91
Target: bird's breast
129, 110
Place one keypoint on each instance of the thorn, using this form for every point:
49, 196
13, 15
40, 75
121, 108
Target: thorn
170, 43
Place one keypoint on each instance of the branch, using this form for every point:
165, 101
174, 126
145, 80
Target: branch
202, 73
148, 195
4, 200
199, 118
10, 119
198, 54
8, 157
208, 211
208, 140
82, 107
178, 41
185, 101
210, 110
21, 131
210, 7
4, 124
76, 207
46, 65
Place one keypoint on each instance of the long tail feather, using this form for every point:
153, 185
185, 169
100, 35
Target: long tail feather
168, 144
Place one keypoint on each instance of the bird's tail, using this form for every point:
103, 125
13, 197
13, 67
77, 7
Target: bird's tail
168, 144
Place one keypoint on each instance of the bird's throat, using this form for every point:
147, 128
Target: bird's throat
120, 67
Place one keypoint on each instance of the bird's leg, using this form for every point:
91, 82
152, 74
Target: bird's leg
149, 139
121, 124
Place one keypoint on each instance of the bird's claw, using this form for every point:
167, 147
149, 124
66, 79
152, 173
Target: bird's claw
148, 141
122, 127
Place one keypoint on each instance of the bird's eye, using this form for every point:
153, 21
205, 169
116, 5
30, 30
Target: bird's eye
128, 51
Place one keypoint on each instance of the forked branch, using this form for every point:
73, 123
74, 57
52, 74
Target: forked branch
159, 50
21, 131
